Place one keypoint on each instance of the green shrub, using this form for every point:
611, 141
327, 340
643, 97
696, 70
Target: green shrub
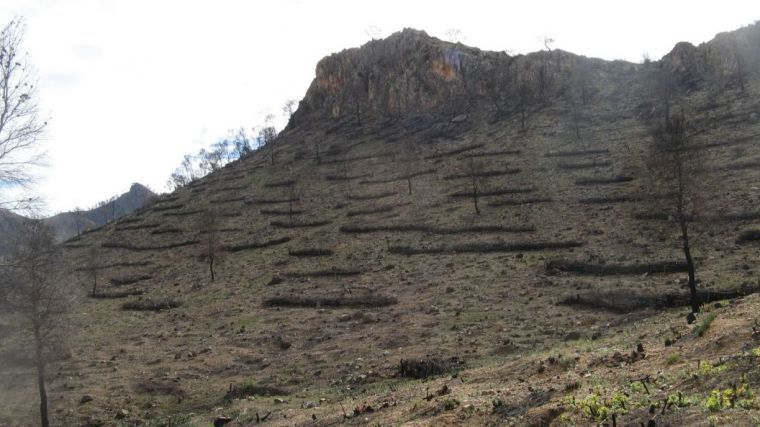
450, 404
704, 325
672, 359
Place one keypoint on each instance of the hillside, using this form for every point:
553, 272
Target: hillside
357, 274
70, 224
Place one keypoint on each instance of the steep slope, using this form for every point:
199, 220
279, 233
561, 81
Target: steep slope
352, 243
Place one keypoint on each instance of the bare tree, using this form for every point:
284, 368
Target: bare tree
267, 134
501, 85
524, 96
473, 170
576, 114
289, 108
677, 166
20, 124
40, 296
454, 35
580, 81
78, 221
663, 84
411, 159
93, 263
357, 91
373, 32
241, 144
208, 226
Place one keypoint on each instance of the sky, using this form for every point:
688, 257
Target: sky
130, 86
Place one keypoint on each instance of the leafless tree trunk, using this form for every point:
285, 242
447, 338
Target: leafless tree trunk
411, 158
91, 266
40, 294
346, 183
78, 221
524, 96
473, 169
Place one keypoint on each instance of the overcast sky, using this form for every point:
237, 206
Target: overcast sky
132, 85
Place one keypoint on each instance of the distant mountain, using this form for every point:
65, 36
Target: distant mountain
69, 224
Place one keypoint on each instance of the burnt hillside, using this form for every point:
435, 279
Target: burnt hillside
354, 241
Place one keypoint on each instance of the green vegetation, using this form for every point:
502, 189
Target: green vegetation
736, 397
594, 406
672, 359
450, 404
704, 325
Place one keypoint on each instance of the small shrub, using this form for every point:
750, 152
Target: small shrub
449, 404
248, 388
428, 367
704, 325
672, 359
707, 369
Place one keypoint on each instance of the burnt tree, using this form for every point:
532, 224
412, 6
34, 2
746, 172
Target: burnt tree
676, 164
